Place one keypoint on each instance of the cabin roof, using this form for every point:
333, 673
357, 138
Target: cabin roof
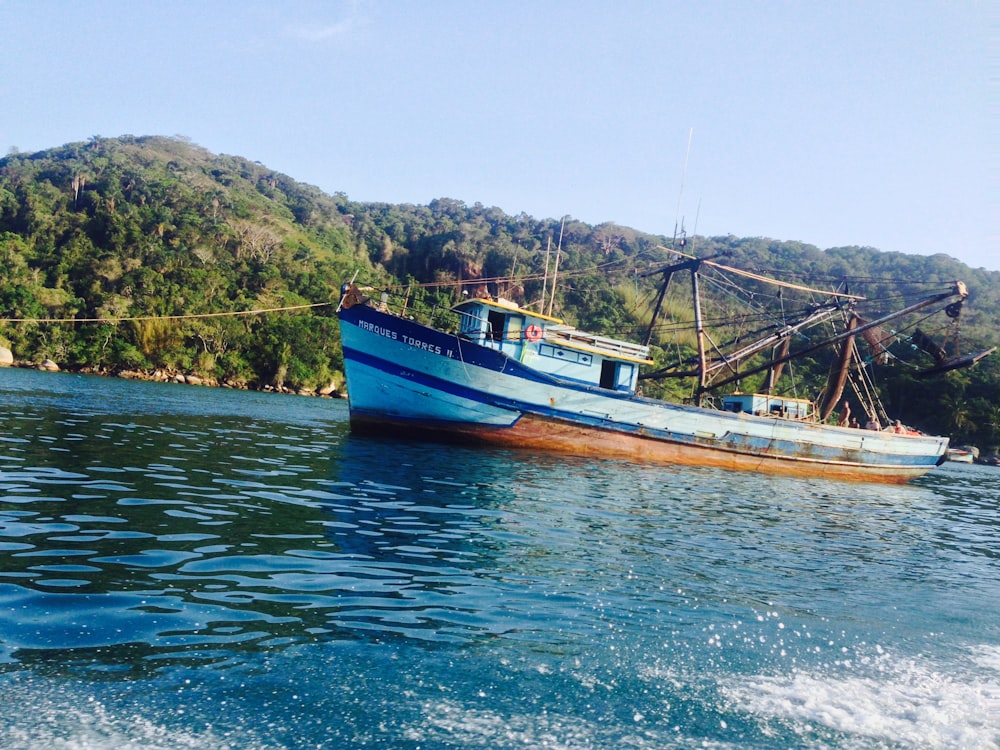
772, 397
506, 306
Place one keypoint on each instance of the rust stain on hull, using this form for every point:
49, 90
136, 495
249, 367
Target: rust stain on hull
548, 436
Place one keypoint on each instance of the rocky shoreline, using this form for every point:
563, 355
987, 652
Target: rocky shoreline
161, 375
332, 390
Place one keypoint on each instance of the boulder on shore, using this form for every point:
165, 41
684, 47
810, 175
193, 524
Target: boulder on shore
48, 365
6, 357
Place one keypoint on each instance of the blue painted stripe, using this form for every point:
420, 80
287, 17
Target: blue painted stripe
415, 376
461, 349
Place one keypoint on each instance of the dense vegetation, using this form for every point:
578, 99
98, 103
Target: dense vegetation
110, 248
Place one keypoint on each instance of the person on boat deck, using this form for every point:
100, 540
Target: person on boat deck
855, 423
845, 414
898, 428
873, 424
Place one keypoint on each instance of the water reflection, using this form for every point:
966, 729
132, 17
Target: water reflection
275, 581
201, 541
137, 540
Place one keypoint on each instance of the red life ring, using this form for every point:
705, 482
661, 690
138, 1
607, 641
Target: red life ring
532, 332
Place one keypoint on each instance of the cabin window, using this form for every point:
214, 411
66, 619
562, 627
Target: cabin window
625, 376
497, 323
472, 323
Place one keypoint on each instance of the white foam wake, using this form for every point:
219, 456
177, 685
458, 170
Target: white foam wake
67, 721
908, 703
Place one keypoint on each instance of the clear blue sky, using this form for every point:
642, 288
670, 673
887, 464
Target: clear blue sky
831, 123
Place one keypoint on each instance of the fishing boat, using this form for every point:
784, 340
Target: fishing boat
961, 455
501, 374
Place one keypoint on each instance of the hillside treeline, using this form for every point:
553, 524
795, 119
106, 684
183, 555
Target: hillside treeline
124, 254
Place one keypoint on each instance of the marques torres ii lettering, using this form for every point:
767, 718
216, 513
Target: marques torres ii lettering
408, 340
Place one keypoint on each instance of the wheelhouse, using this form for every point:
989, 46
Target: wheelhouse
547, 344
764, 405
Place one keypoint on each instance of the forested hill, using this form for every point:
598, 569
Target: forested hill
125, 232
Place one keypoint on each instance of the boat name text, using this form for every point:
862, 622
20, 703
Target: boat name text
432, 348
378, 330
408, 340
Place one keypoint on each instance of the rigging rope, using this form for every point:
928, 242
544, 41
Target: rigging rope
768, 280
188, 316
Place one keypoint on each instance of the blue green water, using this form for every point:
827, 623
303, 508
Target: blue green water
185, 567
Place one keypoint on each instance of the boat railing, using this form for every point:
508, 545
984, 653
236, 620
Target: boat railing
405, 304
603, 343
446, 318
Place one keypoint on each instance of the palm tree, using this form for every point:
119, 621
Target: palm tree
959, 421
993, 415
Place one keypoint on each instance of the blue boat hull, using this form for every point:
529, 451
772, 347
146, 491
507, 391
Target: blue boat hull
411, 379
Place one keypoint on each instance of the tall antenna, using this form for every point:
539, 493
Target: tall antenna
555, 271
545, 278
680, 194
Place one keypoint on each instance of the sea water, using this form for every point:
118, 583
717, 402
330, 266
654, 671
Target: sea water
184, 567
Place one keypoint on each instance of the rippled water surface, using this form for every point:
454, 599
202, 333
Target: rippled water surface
186, 567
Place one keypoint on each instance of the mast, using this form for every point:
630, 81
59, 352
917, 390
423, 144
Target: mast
704, 371
774, 373
958, 290
838, 379
668, 271
699, 328
656, 308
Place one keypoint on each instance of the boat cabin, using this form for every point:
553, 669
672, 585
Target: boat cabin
548, 345
764, 405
